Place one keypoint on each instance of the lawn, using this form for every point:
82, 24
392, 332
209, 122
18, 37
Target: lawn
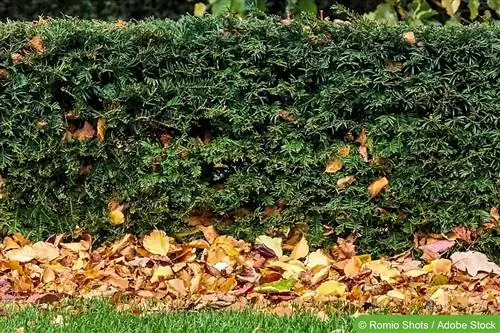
100, 316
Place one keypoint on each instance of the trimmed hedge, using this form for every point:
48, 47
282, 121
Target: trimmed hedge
239, 118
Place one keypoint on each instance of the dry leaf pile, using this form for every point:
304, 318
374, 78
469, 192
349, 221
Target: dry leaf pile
220, 271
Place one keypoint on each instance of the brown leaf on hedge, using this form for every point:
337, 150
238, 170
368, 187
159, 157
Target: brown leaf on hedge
209, 232
101, 131
120, 24
16, 58
345, 248
4, 74
494, 214
86, 132
286, 116
363, 152
375, 187
362, 137
36, 43
342, 182
333, 165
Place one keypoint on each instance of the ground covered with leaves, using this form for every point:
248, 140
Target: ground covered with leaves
271, 274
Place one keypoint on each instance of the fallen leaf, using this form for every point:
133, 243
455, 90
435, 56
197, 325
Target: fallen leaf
438, 246
440, 297
317, 258
382, 269
48, 275
375, 187
272, 243
36, 43
345, 248
162, 271
409, 37
353, 267
280, 286
199, 9
396, 294
16, 58
101, 131
341, 183
301, 249
209, 232
363, 152
331, 287
286, 116
24, 254
156, 242
474, 262
441, 266
45, 251
86, 132
462, 233
116, 217
120, 24
333, 165
57, 320
9, 244
414, 273
344, 151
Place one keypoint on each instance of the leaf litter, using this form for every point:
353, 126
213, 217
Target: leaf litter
223, 272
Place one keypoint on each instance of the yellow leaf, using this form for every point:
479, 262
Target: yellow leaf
162, 271
9, 244
382, 269
199, 9
413, 273
48, 275
333, 165
101, 131
377, 186
439, 297
301, 249
353, 267
156, 242
344, 151
116, 217
24, 254
396, 294
272, 243
120, 24
451, 6
331, 287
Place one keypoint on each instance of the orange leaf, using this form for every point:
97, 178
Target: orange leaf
344, 151
209, 232
341, 183
353, 267
377, 186
334, 165
36, 44
101, 131
120, 24
494, 213
409, 37
156, 242
86, 132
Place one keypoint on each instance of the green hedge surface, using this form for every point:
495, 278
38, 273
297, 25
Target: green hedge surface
238, 121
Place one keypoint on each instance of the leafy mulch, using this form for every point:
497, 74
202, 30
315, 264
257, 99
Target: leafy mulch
223, 272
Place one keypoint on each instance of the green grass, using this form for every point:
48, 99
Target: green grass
99, 316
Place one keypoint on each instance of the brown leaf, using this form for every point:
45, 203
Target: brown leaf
24, 254
4, 74
353, 267
494, 214
375, 187
36, 43
86, 132
363, 152
16, 58
463, 234
409, 37
301, 249
286, 116
342, 182
333, 165
9, 244
45, 251
362, 137
437, 246
101, 131
345, 248
209, 232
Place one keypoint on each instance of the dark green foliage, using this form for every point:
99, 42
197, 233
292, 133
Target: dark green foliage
433, 127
